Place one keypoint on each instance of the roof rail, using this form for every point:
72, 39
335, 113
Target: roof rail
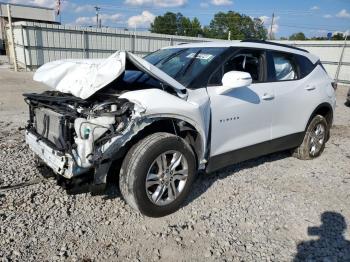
273, 43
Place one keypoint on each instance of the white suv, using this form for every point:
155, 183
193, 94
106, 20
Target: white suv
155, 122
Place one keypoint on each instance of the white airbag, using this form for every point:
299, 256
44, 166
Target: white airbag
284, 69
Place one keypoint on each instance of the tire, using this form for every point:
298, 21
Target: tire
145, 158
305, 150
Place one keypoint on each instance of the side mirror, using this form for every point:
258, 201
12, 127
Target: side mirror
234, 79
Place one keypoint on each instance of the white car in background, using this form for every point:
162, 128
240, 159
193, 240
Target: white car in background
155, 122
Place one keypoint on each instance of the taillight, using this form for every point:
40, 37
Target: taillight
335, 85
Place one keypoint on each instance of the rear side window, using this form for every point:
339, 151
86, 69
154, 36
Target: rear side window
285, 67
305, 65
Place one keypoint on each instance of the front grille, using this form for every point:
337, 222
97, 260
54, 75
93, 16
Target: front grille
52, 126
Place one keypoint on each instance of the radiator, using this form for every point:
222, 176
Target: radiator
52, 126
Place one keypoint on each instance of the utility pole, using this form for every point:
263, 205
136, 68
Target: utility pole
229, 35
97, 14
271, 28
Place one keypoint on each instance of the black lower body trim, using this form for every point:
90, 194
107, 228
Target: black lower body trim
250, 152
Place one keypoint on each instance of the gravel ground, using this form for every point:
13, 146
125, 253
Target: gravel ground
274, 208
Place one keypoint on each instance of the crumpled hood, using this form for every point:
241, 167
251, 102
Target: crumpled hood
84, 77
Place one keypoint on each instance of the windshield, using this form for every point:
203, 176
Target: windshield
184, 64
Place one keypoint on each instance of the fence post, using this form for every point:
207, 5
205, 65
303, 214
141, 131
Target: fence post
24, 49
135, 43
12, 37
29, 48
83, 44
340, 61
171, 41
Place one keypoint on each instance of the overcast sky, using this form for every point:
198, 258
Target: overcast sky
313, 17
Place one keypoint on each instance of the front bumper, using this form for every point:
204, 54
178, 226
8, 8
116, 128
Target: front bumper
62, 164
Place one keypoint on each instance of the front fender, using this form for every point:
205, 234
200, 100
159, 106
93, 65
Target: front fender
156, 103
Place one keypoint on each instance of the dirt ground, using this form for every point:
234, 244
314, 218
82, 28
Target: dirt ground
274, 208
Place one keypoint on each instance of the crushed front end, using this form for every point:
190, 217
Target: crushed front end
72, 135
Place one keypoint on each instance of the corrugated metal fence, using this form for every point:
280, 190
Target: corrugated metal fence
37, 43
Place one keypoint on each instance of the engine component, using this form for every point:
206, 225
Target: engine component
52, 126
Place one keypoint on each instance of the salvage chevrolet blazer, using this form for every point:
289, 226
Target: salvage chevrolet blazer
154, 122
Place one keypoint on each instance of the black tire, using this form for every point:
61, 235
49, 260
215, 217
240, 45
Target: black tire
303, 151
135, 167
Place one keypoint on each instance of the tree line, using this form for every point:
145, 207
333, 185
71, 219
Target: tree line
224, 25
301, 36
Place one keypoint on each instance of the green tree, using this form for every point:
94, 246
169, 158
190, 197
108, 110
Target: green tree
240, 26
298, 36
319, 38
176, 24
196, 28
165, 24
338, 36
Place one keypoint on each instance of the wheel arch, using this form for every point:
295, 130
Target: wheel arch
184, 128
325, 110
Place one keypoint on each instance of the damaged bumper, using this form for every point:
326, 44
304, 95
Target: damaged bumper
61, 164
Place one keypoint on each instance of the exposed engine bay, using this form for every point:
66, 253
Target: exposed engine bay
76, 126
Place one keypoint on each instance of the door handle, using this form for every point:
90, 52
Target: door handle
309, 88
267, 96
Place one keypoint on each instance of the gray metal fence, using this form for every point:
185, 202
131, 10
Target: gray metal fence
38, 43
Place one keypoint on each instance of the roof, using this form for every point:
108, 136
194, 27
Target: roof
21, 12
23, 5
251, 44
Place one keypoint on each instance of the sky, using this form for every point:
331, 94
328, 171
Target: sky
313, 17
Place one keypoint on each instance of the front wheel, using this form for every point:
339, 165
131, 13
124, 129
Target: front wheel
315, 139
157, 173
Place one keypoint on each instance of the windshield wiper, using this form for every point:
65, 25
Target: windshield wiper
191, 62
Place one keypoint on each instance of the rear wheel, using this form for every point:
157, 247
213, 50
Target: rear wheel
157, 173
315, 139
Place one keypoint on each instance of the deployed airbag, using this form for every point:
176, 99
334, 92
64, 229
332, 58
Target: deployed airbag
284, 69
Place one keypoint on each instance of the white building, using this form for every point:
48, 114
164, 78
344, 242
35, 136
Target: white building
22, 13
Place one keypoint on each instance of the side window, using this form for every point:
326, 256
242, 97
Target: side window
305, 65
246, 61
215, 79
249, 61
285, 67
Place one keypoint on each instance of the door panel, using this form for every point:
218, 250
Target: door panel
295, 100
290, 101
294, 97
241, 117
